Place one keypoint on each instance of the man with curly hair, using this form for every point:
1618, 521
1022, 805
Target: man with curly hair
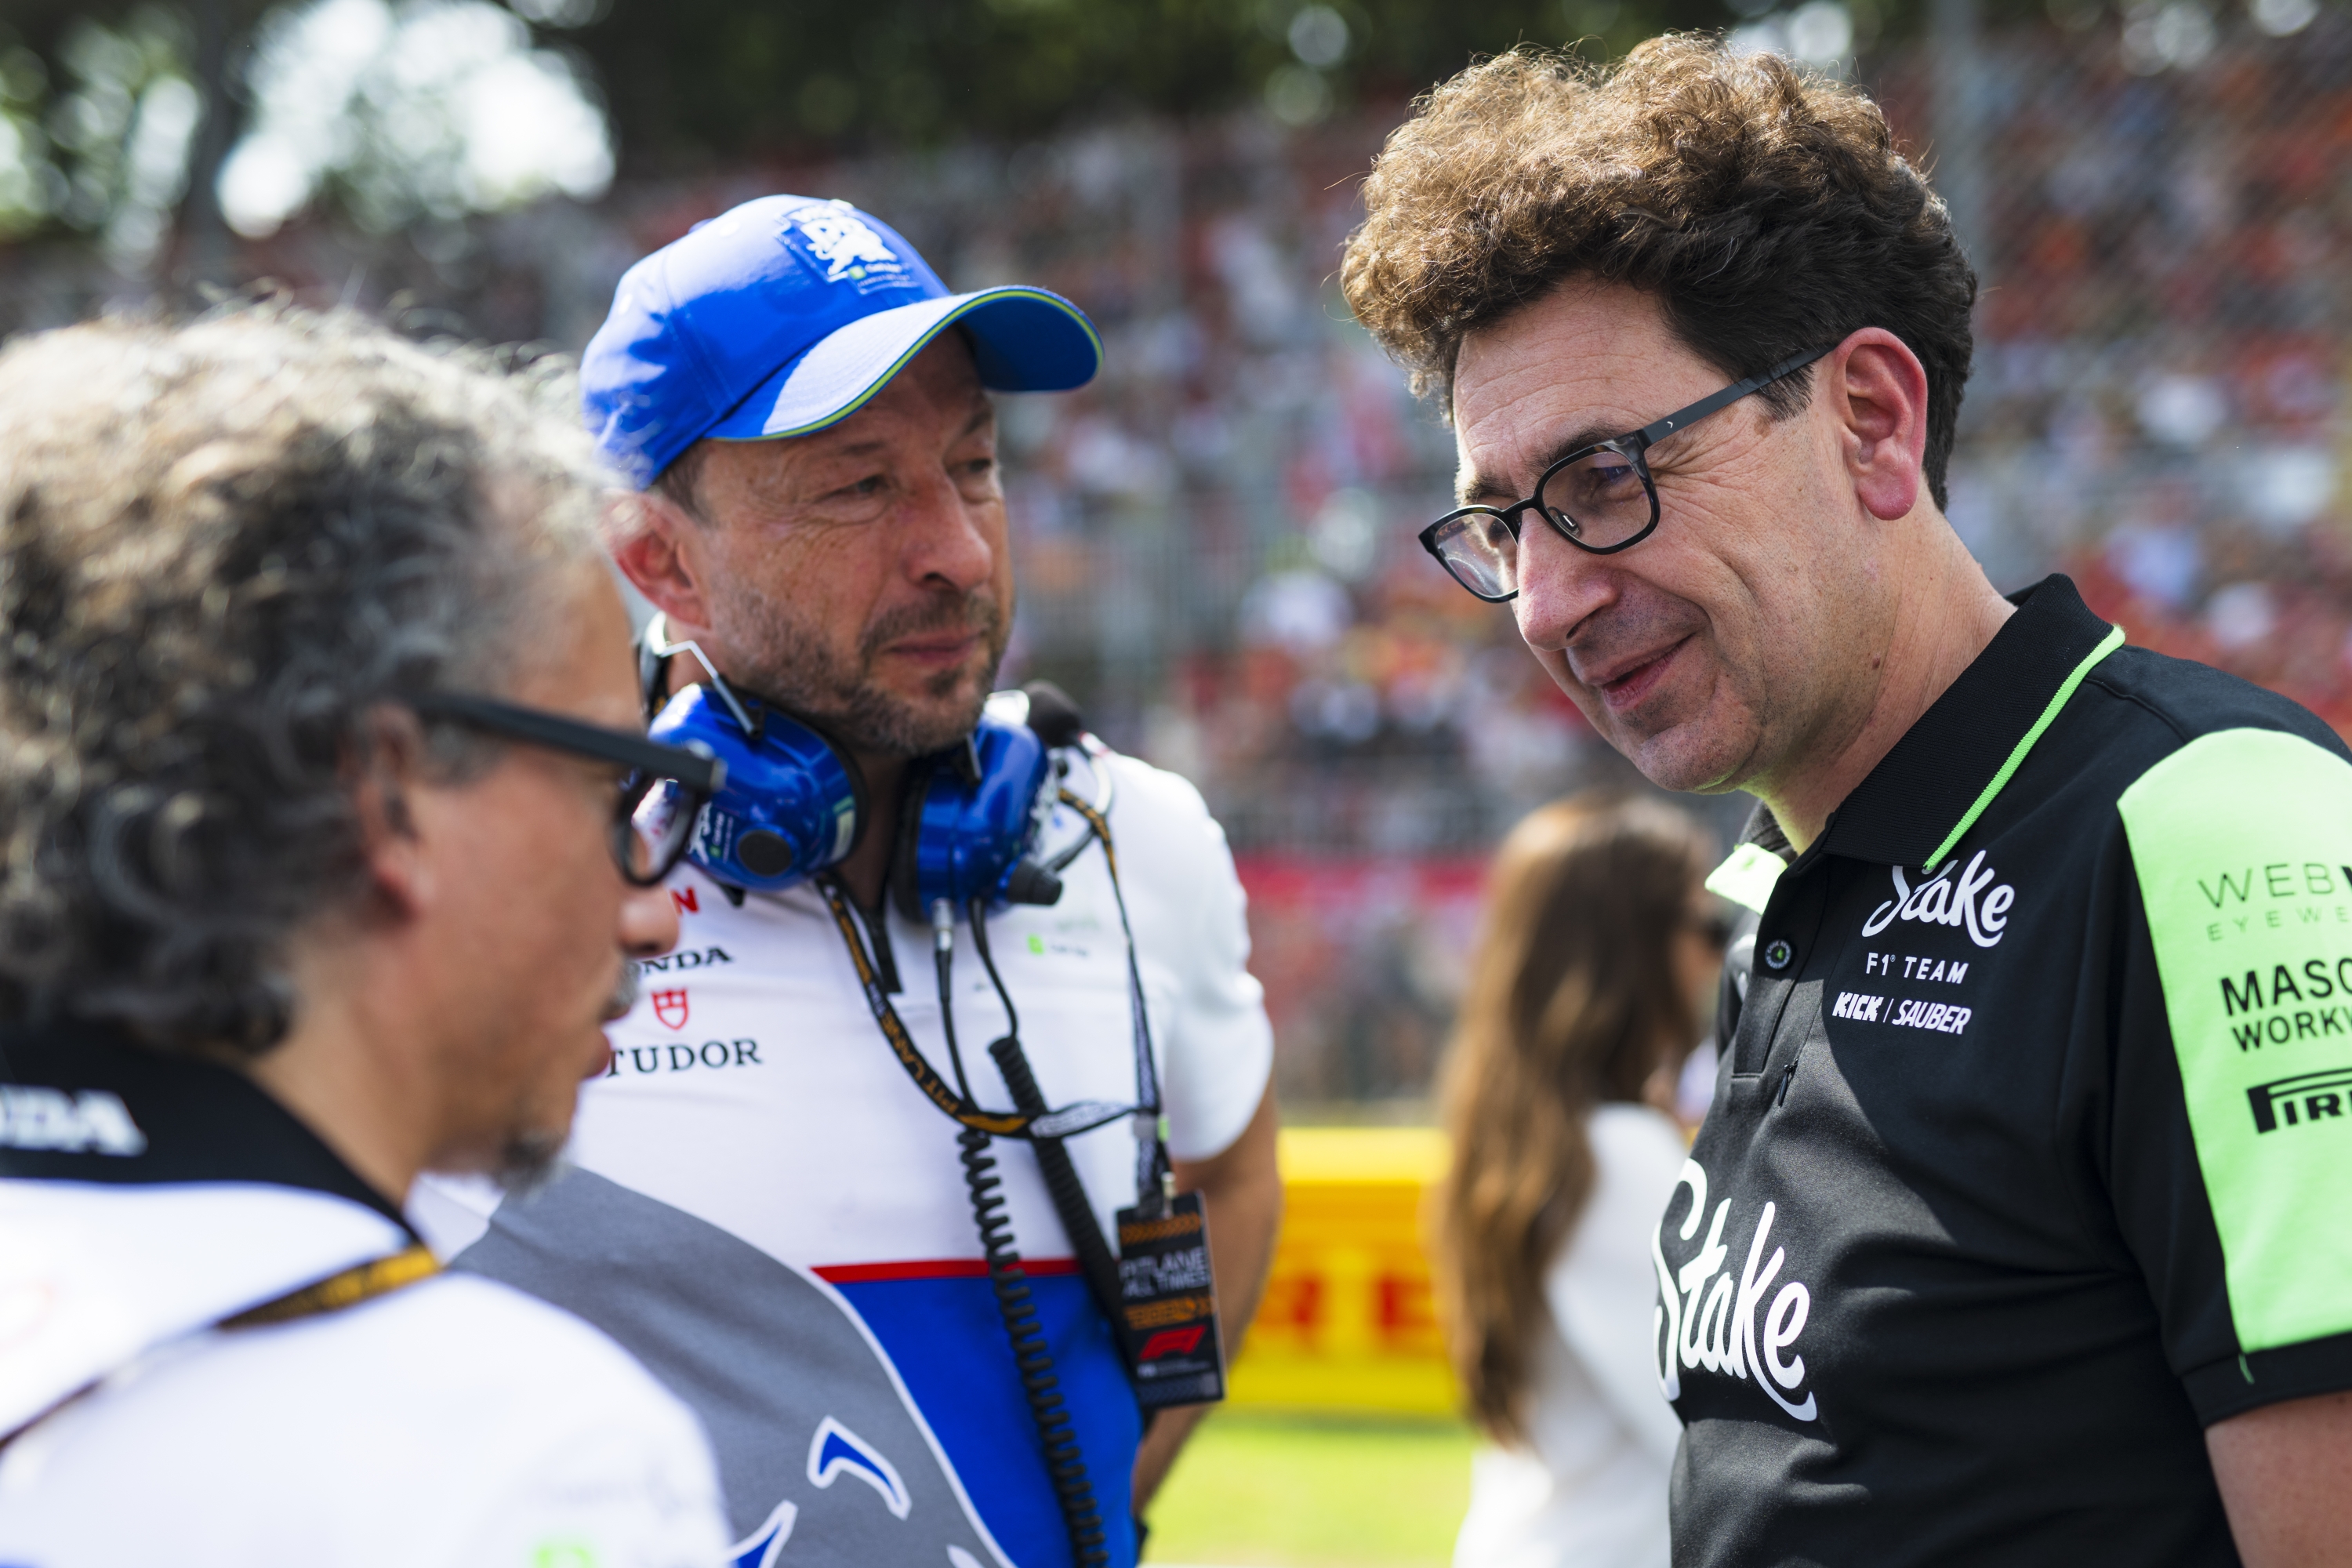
318, 868
2014, 1230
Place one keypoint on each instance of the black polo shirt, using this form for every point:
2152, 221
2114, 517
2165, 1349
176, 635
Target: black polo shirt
2032, 1136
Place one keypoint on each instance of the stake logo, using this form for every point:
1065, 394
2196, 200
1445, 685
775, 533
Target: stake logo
1706, 1320
670, 1007
1945, 899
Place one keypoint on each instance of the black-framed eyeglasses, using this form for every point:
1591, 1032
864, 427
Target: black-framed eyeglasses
1600, 497
650, 833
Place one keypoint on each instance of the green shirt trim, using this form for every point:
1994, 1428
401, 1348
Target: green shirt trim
2243, 843
1747, 877
2107, 645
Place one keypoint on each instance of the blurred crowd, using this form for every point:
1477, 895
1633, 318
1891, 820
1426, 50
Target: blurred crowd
1216, 539
2157, 403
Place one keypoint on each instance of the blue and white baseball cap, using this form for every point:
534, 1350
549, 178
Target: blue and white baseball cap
785, 315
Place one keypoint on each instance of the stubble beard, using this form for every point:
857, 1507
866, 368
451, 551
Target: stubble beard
784, 659
530, 1163
1688, 749
530, 1158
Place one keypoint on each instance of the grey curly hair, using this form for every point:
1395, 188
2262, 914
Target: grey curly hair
224, 546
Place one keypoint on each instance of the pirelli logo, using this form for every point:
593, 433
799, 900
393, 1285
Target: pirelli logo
2305, 1098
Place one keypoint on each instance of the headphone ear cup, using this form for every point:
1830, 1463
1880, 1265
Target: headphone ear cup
861, 803
793, 802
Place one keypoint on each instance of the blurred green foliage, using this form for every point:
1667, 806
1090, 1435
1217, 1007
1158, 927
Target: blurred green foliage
697, 84
696, 81
715, 79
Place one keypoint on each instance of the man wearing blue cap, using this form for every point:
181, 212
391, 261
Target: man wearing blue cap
766, 1210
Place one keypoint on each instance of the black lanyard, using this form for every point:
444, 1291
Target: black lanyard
1067, 1121
1151, 1167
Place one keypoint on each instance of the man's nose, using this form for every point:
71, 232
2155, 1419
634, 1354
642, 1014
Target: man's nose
1560, 586
648, 923
946, 536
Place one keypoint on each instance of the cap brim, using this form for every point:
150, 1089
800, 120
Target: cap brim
1023, 339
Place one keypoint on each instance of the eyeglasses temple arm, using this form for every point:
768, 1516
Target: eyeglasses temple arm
691, 765
1654, 433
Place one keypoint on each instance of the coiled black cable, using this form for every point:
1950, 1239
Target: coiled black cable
1066, 1463
1096, 1264
1063, 1462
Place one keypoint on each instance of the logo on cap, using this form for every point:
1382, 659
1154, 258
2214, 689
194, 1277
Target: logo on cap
837, 237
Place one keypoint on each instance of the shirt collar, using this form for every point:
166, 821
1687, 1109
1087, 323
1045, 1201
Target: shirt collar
1931, 787
80, 1103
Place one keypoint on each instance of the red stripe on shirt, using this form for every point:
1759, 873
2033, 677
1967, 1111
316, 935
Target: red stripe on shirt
935, 1268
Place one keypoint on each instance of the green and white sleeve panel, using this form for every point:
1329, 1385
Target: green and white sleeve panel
2242, 840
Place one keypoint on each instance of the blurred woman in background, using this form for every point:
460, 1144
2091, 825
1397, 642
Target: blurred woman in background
1592, 978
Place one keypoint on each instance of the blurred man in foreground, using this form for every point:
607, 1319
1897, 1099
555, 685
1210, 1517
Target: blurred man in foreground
2014, 1231
316, 780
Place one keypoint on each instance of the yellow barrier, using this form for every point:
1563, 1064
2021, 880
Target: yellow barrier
1348, 1322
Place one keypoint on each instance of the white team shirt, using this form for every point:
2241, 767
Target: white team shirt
454, 1423
751, 1089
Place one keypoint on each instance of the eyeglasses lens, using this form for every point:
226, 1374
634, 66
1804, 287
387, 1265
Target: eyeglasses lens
1598, 500
658, 821
1481, 553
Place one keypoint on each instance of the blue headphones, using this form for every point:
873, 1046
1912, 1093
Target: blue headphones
794, 803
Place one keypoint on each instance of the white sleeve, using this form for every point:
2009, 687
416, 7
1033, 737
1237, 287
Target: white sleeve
1191, 926
1602, 1287
608, 1497
611, 1472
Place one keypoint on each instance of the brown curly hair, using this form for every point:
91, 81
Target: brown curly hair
1767, 211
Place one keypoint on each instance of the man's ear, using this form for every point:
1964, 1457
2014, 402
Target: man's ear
1877, 389
666, 556
383, 771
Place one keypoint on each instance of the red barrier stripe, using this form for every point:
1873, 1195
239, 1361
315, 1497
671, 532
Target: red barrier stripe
935, 1268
